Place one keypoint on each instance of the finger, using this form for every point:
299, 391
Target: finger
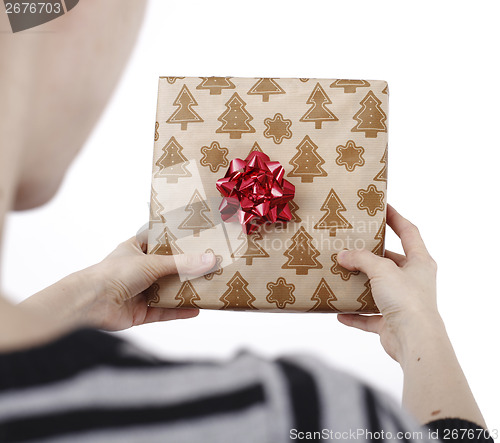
368, 323
165, 314
142, 237
399, 259
182, 264
408, 233
365, 261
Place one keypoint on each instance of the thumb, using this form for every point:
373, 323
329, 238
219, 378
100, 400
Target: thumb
192, 265
363, 260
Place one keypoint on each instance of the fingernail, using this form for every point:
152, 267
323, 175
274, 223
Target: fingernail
341, 254
207, 258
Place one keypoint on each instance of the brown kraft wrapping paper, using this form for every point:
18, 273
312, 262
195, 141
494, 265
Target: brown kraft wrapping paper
330, 136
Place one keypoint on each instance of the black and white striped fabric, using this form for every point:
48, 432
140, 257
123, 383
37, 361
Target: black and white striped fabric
93, 387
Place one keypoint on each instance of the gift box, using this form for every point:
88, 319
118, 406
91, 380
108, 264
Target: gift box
274, 176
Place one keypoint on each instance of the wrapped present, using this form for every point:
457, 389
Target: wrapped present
274, 176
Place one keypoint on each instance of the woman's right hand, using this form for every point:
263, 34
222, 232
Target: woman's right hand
410, 327
403, 287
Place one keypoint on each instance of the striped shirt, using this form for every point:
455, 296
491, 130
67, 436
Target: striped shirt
91, 386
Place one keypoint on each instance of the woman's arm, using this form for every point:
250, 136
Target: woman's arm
410, 327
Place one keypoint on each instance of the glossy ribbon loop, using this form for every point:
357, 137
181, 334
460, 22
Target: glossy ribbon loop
255, 192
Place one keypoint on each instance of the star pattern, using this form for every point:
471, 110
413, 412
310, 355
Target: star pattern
215, 157
152, 294
280, 293
344, 273
218, 265
278, 128
371, 199
350, 156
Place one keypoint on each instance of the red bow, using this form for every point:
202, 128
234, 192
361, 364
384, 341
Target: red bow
255, 192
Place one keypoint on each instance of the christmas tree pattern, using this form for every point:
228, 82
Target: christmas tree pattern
184, 113
217, 267
172, 163
280, 293
302, 254
155, 207
371, 118
157, 135
307, 162
345, 274
294, 207
216, 84
371, 199
255, 148
318, 113
215, 156
196, 220
323, 296
350, 156
265, 87
349, 85
277, 128
366, 299
166, 243
187, 296
152, 294
380, 235
382, 175
333, 220
250, 249
235, 119
237, 296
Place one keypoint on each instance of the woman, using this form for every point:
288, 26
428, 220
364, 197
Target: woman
61, 380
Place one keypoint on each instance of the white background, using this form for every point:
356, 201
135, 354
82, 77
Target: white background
440, 59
